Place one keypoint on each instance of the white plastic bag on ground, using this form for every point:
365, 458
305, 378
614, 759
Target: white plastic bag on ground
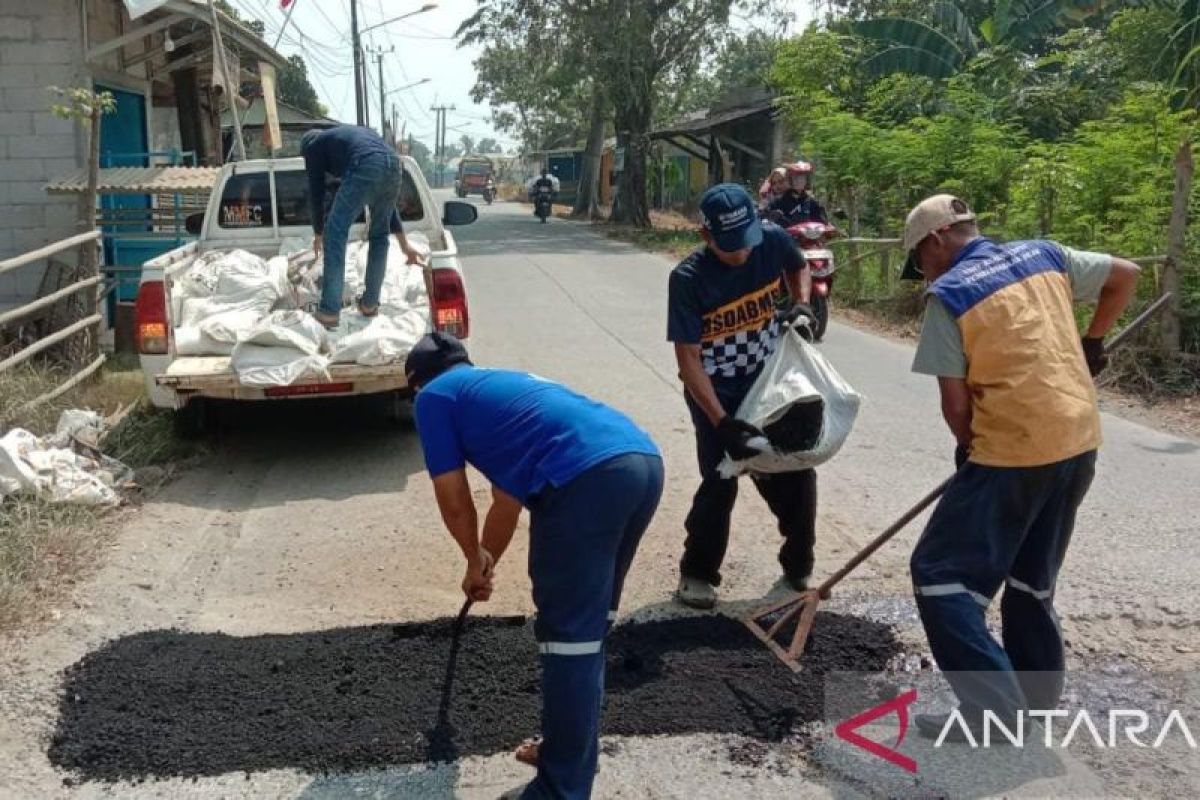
796, 372
30, 465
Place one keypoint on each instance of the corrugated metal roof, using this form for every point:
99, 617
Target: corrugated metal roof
702, 122
139, 180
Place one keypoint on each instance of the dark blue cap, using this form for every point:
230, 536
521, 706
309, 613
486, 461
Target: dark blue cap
431, 356
728, 213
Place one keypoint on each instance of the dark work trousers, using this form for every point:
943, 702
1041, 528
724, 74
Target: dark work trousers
999, 526
791, 496
582, 538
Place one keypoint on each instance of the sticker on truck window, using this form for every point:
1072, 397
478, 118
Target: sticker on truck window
246, 201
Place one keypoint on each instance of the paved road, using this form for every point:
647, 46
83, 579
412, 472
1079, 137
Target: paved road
317, 519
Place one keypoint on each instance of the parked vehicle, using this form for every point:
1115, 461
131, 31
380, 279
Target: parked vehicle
813, 239
254, 206
543, 202
474, 174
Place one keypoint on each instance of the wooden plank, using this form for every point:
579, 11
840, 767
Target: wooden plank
47, 251
48, 300
47, 341
66, 386
736, 145
133, 36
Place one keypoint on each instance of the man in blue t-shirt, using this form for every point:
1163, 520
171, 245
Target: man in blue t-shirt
591, 480
723, 319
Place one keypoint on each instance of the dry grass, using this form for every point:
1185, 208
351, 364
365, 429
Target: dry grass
46, 547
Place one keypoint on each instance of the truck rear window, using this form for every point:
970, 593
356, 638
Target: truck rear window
246, 200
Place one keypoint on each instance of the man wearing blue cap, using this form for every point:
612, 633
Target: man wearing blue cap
591, 480
371, 177
725, 315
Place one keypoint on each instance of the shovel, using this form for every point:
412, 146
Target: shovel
767, 623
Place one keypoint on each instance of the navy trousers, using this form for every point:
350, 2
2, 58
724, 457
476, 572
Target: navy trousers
582, 538
791, 496
999, 526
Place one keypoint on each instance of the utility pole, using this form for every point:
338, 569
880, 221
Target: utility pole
440, 139
359, 104
379, 54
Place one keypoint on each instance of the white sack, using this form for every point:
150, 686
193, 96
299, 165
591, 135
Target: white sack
259, 365
796, 372
288, 329
191, 341
28, 464
386, 340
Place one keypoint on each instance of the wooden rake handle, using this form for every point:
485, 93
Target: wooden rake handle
880, 540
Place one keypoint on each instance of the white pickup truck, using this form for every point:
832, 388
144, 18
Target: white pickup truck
254, 206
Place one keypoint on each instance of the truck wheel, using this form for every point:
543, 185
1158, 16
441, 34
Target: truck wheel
393, 408
194, 419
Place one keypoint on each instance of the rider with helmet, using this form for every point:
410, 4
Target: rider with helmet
772, 189
796, 205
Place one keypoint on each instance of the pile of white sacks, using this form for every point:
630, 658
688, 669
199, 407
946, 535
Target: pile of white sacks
255, 310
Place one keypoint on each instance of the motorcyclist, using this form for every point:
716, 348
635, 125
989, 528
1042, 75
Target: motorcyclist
772, 189
547, 180
796, 204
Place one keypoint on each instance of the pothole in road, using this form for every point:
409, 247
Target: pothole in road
170, 703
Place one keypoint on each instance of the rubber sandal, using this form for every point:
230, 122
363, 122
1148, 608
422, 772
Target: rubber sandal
328, 321
527, 751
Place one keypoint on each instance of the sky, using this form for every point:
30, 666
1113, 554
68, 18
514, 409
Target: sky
421, 46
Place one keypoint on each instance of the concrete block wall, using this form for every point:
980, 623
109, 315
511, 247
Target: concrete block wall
40, 46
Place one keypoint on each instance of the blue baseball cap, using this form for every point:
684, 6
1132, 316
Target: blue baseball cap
728, 213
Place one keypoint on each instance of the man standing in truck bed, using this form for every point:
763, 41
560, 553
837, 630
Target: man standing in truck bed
371, 177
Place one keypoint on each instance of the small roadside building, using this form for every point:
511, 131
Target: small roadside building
160, 69
739, 139
566, 164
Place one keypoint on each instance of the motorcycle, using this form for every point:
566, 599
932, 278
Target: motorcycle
813, 239
542, 202
489, 192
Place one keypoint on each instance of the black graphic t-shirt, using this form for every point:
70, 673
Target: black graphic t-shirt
730, 311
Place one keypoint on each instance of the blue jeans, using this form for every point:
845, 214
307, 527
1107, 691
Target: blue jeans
372, 182
582, 538
999, 526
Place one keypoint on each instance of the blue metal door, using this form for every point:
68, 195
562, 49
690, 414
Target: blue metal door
123, 143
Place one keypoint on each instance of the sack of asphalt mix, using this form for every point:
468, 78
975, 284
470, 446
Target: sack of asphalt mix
802, 404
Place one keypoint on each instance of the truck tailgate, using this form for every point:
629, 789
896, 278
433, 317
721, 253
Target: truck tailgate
212, 376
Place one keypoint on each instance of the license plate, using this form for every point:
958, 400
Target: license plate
308, 389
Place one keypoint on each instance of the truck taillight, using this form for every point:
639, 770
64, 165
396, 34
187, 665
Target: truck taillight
450, 303
150, 318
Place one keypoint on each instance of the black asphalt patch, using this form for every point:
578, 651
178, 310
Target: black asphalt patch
169, 703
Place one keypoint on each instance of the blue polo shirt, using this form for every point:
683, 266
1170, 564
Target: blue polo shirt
522, 432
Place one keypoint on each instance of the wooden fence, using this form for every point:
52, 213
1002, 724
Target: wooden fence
91, 320
877, 247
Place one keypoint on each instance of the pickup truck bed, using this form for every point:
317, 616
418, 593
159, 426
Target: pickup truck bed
212, 376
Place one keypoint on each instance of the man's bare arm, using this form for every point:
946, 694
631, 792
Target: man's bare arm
799, 284
501, 522
453, 495
1114, 297
956, 408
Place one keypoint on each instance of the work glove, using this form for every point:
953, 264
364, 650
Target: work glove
961, 453
1093, 351
799, 317
736, 437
